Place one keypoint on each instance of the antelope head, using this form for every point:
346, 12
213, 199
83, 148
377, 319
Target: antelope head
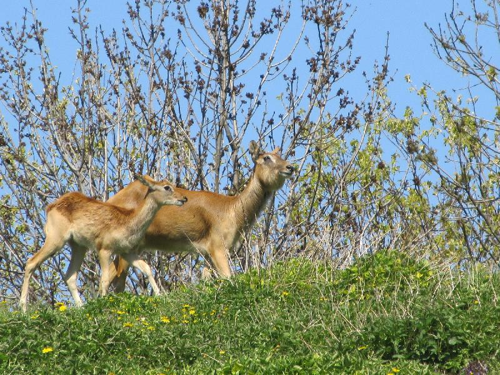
270, 169
162, 192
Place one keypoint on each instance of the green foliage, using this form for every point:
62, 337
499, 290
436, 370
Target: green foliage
387, 313
383, 274
450, 335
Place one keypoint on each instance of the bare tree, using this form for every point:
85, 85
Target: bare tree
176, 93
468, 179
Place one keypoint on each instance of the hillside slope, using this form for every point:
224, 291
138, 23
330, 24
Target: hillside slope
385, 314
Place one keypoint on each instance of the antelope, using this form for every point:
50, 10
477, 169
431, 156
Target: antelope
85, 223
210, 223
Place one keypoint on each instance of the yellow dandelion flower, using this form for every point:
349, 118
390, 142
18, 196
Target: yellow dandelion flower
222, 352
395, 369
34, 316
63, 308
476, 302
186, 306
47, 349
119, 312
192, 312
323, 299
285, 293
151, 328
59, 304
185, 321
165, 319
212, 312
128, 324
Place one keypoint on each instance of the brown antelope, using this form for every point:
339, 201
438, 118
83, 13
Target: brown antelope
88, 223
209, 223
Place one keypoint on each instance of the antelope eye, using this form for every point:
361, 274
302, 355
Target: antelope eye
168, 188
267, 158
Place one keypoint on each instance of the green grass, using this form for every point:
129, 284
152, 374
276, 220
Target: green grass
386, 314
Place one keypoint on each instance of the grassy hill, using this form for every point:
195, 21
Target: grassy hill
387, 314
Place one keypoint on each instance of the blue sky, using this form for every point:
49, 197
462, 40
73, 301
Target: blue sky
410, 47
410, 42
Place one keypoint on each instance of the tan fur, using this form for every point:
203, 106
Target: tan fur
208, 223
86, 223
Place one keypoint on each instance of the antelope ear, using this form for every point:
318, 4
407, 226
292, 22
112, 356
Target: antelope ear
143, 181
276, 151
255, 150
